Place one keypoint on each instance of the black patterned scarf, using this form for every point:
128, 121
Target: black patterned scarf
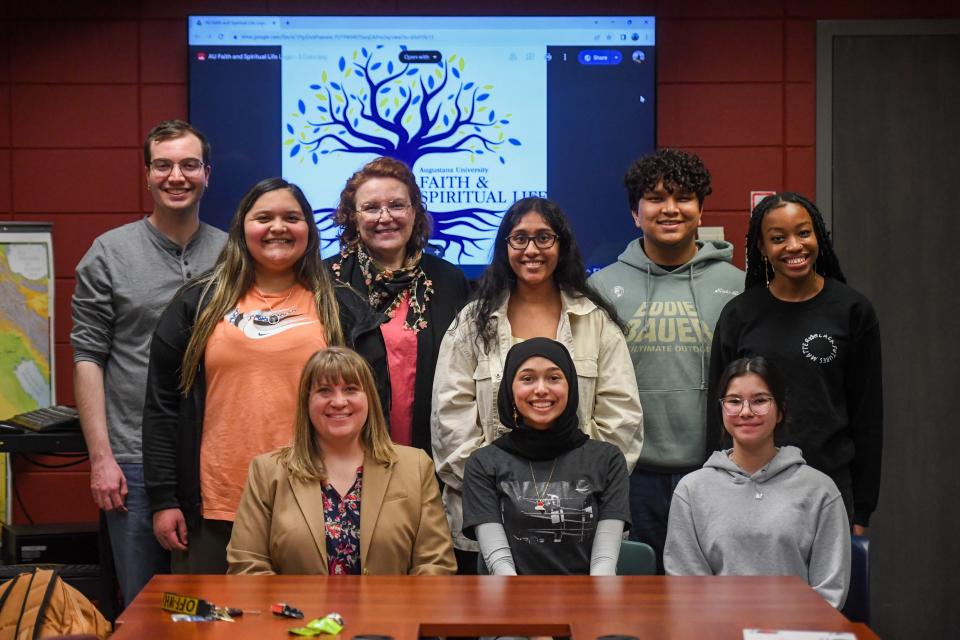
386, 287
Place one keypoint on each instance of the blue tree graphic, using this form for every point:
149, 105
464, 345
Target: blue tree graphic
405, 111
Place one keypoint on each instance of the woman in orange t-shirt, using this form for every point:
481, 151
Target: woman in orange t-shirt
224, 365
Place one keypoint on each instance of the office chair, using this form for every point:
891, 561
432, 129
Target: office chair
857, 606
636, 559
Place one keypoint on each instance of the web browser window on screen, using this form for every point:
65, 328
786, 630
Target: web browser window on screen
486, 110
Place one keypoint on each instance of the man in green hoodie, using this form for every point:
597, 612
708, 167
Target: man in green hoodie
669, 289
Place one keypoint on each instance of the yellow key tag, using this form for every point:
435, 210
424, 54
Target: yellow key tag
176, 603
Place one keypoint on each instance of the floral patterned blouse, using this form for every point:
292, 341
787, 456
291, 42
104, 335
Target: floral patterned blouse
341, 521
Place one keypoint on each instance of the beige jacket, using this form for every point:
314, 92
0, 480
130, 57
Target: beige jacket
280, 524
467, 382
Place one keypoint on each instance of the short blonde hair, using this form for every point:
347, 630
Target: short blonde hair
304, 458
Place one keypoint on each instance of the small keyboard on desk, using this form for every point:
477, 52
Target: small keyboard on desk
56, 419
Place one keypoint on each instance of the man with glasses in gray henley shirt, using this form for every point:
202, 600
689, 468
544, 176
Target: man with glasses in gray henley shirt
124, 282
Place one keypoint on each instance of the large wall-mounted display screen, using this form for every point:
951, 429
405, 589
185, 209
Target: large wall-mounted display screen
486, 110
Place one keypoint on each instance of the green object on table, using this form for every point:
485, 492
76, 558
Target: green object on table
331, 625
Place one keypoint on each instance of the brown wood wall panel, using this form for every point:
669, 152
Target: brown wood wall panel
800, 174
73, 116
182, 8
4, 115
72, 489
35, 462
735, 171
58, 180
370, 7
801, 114
74, 9
4, 50
63, 291
871, 9
5, 204
160, 102
163, 51
64, 378
721, 114
73, 51
719, 51
800, 50
712, 9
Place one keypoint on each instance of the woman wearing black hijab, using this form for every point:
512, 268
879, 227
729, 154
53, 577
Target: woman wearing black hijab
544, 498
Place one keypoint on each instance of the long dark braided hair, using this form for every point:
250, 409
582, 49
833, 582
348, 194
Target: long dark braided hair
827, 264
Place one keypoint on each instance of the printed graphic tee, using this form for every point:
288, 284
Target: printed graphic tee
548, 508
253, 363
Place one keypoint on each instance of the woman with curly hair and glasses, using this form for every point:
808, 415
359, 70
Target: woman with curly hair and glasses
535, 286
415, 295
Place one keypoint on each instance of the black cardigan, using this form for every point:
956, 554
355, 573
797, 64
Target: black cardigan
450, 292
173, 422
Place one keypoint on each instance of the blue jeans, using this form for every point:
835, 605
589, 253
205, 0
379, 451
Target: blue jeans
650, 496
136, 553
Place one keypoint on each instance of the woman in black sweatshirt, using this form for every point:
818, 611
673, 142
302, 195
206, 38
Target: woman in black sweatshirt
797, 310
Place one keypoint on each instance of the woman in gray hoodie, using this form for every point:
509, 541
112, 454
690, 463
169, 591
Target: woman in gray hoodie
755, 509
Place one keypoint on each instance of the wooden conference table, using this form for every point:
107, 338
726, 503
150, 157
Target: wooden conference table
407, 607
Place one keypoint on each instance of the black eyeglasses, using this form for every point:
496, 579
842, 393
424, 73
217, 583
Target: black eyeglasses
760, 405
543, 240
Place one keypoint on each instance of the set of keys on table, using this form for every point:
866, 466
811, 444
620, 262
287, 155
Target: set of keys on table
189, 609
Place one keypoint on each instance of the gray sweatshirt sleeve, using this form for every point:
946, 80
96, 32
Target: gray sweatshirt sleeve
495, 549
830, 553
92, 308
606, 548
682, 555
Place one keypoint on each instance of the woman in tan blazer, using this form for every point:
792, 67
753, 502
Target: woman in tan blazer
343, 498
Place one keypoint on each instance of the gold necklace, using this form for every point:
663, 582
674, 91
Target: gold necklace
263, 298
539, 506
268, 316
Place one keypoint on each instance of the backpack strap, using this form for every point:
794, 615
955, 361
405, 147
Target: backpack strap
6, 592
42, 609
23, 603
